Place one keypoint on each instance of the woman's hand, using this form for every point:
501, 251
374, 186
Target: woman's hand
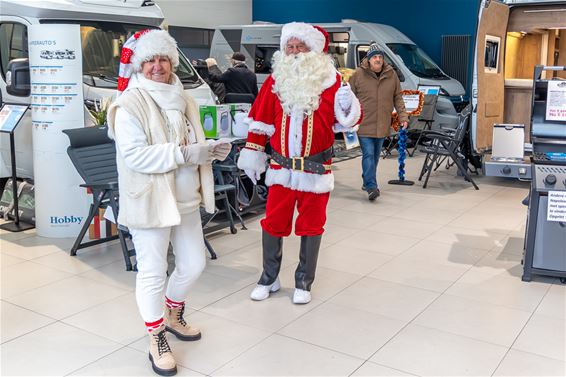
221, 151
197, 154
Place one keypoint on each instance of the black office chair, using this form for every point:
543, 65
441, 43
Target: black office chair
93, 154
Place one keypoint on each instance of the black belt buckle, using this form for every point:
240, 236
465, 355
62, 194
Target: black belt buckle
298, 163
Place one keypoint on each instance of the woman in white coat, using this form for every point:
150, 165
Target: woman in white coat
165, 174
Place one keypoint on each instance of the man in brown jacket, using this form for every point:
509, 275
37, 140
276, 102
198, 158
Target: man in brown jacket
377, 86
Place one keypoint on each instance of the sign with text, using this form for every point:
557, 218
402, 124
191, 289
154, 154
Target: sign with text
10, 115
56, 73
556, 101
556, 210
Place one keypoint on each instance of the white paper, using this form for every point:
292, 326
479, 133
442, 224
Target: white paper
411, 102
109, 215
556, 101
556, 210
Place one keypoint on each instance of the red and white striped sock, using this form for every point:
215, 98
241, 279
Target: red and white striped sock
173, 304
153, 325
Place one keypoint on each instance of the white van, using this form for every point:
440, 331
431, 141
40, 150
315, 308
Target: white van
105, 25
512, 37
349, 42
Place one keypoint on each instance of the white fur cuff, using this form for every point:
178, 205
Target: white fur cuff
252, 160
260, 128
350, 119
300, 181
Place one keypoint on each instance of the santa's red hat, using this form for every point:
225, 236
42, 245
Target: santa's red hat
315, 37
141, 47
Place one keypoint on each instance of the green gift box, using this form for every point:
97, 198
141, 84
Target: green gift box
216, 121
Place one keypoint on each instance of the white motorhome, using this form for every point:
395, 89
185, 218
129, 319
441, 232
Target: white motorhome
512, 37
349, 42
105, 25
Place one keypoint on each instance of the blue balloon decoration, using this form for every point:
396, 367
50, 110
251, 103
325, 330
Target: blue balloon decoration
402, 153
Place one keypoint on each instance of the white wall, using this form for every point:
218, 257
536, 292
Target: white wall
206, 13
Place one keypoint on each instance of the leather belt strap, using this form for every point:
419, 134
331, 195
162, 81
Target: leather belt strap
311, 164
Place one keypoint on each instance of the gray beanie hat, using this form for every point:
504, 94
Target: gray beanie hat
374, 50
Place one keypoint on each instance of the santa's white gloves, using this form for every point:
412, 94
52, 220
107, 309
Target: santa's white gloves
345, 96
254, 175
197, 154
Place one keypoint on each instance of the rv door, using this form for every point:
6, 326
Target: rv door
489, 80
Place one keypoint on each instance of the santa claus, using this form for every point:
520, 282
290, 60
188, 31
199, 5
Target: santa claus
298, 109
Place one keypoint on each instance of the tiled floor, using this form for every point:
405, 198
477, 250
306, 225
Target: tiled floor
421, 282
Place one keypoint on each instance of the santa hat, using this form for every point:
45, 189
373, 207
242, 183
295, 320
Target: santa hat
315, 37
141, 47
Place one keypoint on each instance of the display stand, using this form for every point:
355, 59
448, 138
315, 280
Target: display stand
10, 116
426, 116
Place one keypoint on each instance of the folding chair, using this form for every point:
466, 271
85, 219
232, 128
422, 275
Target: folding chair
205, 219
443, 146
93, 154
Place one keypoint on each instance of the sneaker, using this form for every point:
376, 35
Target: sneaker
301, 296
373, 194
261, 292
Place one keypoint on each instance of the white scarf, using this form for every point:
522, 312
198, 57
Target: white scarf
170, 98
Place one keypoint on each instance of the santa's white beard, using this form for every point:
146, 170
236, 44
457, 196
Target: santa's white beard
300, 79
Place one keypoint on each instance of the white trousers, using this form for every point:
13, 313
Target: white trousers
151, 256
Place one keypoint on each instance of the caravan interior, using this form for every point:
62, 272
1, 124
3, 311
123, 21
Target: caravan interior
511, 41
533, 38
513, 37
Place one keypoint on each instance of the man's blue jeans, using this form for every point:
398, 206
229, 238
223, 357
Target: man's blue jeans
371, 150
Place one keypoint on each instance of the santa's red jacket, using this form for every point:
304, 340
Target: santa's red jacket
295, 135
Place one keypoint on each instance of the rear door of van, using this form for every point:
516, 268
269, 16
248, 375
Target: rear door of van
489, 78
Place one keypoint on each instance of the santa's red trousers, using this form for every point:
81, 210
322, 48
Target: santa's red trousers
279, 210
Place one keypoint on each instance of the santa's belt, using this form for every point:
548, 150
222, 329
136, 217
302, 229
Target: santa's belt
310, 164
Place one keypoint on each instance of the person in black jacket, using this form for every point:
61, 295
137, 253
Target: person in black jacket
237, 79
217, 87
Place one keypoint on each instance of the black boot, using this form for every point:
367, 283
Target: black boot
304, 274
272, 255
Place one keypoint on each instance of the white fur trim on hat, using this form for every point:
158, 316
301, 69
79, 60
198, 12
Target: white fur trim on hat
154, 43
313, 38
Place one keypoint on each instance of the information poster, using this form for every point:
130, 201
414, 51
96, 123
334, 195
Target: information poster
556, 101
56, 104
411, 101
10, 115
556, 210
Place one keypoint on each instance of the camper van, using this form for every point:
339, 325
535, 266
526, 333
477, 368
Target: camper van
513, 36
349, 43
105, 25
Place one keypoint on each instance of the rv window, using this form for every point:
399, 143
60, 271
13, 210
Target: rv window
13, 43
263, 56
101, 44
418, 62
491, 53
341, 37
